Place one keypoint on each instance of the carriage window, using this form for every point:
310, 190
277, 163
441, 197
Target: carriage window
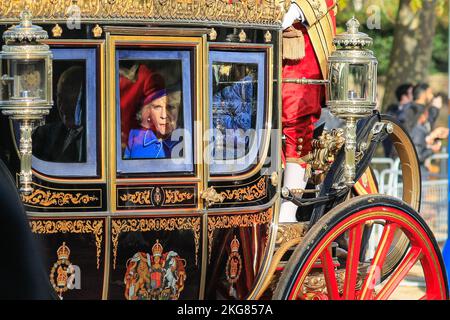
154, 103
68, 137
237, 109
63, 137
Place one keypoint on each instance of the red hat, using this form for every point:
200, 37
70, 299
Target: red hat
154, 88
137, 85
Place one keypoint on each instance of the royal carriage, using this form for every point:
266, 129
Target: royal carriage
197, 216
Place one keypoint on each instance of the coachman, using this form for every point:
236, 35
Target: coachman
309, 27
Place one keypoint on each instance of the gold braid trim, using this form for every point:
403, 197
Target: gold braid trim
236, 221
154, 224
71, 226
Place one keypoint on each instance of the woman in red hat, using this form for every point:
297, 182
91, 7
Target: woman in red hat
156, 119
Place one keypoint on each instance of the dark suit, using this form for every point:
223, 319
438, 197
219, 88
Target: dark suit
23, 275
56, 143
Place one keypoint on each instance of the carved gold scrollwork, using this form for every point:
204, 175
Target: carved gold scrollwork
71, 226
176, 196
112, 11
289, 231
138, 197
211, 196
325, 150
44, 198
248, 193
315, 283
157, 224
236, 221
157, 196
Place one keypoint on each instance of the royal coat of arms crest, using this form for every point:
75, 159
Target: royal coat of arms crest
63, 272
159, 276
234, 266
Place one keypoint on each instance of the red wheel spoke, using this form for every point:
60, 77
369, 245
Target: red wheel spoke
351, 269
378, 261
402, 270
329, 274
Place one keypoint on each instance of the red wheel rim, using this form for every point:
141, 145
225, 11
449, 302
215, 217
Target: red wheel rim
421, 250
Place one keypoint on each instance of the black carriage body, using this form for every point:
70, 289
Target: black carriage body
139, 228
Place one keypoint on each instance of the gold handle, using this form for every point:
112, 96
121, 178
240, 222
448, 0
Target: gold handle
211, 196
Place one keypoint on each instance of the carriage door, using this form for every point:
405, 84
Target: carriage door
241, 196
156, 97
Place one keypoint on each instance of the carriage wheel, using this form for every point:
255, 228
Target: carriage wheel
410, 172
314, 261
412, 187
409, 162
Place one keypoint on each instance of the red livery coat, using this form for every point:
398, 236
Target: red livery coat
302, 103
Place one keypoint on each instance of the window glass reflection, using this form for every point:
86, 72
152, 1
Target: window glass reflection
357, 82
151, 108
63, 137
234, 108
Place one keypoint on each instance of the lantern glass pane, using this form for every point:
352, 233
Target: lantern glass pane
30, 81
5, 82
357, 82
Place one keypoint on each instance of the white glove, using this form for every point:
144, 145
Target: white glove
294, 13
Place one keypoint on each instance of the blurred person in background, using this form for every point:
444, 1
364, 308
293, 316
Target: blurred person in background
404, 95
427, 143
423, 97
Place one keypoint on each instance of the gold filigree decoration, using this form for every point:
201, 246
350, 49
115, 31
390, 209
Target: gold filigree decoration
289, 231
266, 12
71, 226
176, 196
157, 197
236, 221
249, 193
315, 284
325, 150
56, 198
154, 224
138, 197
171, 196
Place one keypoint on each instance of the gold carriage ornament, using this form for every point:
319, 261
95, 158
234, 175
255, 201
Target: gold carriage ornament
25, 85
352, 86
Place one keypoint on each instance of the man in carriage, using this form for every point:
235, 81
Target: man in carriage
309, 27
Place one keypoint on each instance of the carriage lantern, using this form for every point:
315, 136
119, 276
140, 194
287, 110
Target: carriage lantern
352, 86
25, 85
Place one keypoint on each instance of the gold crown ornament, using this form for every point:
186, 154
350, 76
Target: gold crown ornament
63, 252
234, 245
157, 249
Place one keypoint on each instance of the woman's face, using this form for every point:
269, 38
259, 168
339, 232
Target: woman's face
159, 116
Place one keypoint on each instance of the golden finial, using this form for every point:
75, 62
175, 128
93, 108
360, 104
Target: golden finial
97, 31
213, 34
242, 36
267, 36
57, 31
